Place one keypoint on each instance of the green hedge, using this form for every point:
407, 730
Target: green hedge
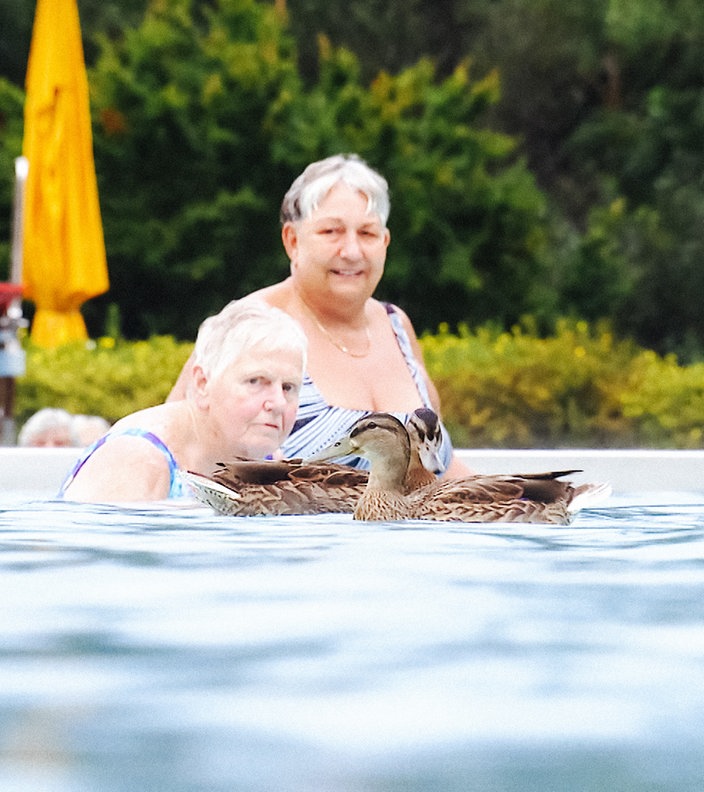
580, 387
107, 377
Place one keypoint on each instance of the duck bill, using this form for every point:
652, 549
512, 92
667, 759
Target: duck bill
431, 460
341, 448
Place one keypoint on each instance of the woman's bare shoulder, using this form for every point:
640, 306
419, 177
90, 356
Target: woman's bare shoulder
278, 295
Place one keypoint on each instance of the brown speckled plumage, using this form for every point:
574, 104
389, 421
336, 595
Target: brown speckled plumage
529, 498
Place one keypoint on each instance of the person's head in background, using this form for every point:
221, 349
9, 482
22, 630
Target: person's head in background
49, 427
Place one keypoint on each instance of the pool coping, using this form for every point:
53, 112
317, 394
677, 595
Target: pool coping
40, 470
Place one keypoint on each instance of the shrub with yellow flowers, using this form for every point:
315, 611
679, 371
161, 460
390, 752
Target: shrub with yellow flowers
109, 377
578, 387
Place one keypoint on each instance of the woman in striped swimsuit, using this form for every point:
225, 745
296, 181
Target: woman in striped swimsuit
363, 355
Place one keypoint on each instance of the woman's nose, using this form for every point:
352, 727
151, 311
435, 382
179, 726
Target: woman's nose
275, 400
351, 248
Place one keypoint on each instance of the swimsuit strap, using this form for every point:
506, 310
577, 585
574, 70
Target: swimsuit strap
176, 489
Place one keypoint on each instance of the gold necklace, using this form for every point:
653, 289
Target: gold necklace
332, 338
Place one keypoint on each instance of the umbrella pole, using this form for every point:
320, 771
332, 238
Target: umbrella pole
12, 357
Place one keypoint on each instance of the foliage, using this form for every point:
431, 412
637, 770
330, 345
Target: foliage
204, 112
109, 377
655, 241
579, 387
182, 147
211, 98
11, 103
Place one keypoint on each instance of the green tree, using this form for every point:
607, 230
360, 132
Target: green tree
203, 122
11, 108
205, 111
643, 150
182, 144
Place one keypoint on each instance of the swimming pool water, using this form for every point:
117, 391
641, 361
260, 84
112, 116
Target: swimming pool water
173, 649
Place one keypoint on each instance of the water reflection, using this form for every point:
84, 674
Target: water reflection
172, 649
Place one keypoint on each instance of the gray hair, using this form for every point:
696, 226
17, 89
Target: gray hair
241, 324
44, 420
316, 181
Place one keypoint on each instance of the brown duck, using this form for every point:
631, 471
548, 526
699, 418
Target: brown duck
527, 498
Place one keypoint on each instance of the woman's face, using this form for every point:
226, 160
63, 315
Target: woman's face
253, 402
341, 248
55, 437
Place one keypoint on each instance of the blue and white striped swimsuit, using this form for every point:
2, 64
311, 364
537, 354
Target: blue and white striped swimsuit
176, 486
319, 424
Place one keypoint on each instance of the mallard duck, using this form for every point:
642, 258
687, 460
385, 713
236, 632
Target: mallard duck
385, 442
248, 488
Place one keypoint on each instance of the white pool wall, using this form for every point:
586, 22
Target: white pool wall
39, 471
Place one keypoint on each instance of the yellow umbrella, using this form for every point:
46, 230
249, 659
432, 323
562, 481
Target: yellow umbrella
64, 260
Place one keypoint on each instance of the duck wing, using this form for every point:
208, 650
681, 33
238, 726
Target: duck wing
249, 488
523, 498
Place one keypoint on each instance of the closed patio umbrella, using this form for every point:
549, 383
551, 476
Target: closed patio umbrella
64, 260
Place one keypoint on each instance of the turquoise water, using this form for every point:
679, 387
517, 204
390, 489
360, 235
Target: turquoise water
171, 649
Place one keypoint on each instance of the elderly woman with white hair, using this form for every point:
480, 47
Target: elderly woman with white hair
49, 427
240, 400
363, 354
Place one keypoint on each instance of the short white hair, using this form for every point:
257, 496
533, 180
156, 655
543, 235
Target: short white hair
316, 181
44, 420
242, 324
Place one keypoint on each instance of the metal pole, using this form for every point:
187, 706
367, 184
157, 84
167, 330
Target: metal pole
21, 173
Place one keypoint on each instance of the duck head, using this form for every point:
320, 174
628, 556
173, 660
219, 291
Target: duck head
379, 437
426, 437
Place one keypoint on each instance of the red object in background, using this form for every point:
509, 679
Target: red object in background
8, 293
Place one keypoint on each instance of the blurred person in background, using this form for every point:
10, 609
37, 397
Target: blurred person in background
49, 427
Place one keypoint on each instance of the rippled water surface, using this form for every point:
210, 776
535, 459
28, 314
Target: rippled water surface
172, 649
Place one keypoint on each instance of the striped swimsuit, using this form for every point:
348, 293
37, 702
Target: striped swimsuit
319, 424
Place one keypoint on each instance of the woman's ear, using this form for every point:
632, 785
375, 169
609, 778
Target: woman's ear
289, 236
199, 386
